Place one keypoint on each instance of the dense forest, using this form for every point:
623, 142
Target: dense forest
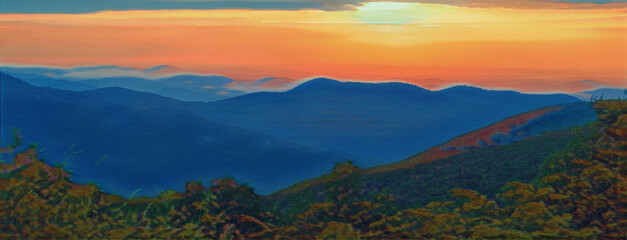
580, 192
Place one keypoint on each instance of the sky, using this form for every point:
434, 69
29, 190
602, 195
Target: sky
526, 45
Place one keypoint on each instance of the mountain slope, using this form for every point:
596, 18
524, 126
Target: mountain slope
40, 81
125, 148
509, 130
374, 123
469, 160
40, 77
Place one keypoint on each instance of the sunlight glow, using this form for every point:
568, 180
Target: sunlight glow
387, 13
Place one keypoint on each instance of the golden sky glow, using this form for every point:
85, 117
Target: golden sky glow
427, 44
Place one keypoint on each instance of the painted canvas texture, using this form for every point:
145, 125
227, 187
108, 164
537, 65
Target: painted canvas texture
313, 119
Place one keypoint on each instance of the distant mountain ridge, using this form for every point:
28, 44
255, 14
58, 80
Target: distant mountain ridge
376, 123
124, 148
372, 123
182, 87
167, 81
90, 77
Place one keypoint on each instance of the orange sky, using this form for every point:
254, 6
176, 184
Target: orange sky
426, 44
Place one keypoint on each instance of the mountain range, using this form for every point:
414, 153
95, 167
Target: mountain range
130, 140
124, 148
162, 80
170, 81
374, 123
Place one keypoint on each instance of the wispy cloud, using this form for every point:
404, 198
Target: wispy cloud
84, 6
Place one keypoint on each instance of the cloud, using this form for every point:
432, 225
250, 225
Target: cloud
88, 6
528, 4
85, 6
106, 71
333, 5
266, 84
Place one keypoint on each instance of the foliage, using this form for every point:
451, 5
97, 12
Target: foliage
485, 170
39, 201
17, 140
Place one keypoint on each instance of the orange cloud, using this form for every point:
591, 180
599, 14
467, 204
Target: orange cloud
523, 4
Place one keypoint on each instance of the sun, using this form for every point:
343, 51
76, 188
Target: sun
387, 12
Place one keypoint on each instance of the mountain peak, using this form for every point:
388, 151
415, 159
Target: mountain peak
162, 69
326, 84
317, 84
320, 82
466, 88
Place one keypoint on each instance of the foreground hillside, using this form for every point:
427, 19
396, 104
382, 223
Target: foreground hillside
580, 193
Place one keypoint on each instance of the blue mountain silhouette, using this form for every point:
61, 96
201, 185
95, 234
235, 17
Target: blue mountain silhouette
124, 148
374, 123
